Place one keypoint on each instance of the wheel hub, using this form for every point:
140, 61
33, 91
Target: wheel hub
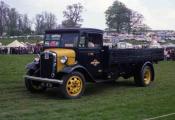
74, 85
147, 76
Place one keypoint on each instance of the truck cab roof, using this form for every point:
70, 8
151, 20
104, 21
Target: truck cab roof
81, 30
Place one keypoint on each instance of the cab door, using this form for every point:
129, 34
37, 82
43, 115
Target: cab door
90, 54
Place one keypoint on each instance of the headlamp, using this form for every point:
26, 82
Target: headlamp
37, 58
63, 59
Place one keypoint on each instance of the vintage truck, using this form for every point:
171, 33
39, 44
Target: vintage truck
73, 57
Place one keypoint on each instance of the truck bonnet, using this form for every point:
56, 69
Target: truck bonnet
60, 52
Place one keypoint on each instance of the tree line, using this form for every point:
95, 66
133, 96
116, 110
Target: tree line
119, 18
12, 23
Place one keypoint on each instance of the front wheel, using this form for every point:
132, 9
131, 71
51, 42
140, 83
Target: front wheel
145, 76
73, 85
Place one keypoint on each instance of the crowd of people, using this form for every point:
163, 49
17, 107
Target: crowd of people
169, 53
21, 50
3, 50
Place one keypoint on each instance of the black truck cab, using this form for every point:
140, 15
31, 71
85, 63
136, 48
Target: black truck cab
90, 52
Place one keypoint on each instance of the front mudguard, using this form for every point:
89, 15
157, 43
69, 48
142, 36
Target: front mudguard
69, 69
32, 66
80, 69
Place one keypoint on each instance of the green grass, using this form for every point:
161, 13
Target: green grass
119, 101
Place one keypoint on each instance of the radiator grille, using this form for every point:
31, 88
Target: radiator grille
46, 64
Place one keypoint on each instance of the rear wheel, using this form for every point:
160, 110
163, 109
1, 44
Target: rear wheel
33, 86
73, 85
145, 76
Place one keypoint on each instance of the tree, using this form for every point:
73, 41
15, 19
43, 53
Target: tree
50, 20
24, 25
39, 24
118, 17
73, 15
140, 29
136, 21
123, 19
3, 17
13, 23
44, 21
13, 17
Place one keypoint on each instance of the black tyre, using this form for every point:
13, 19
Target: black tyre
73, 85
144, 76
33, 86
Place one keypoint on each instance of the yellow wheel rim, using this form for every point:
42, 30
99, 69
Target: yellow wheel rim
147, 76
74, 86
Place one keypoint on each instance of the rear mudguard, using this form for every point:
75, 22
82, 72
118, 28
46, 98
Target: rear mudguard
80, 69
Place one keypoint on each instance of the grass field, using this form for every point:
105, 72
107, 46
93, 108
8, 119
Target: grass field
119, 101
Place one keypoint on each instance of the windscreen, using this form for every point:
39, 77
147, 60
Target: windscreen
61, 40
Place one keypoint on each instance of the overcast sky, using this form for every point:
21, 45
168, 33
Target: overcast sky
159, 14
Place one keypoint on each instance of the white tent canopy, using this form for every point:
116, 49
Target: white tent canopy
124, 45
1, 46
15, 43
41, 42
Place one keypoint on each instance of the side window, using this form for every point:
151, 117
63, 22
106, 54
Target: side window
94, 40
82, 41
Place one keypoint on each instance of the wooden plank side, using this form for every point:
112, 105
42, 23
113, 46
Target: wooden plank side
135, 55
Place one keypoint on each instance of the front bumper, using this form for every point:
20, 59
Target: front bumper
46, 80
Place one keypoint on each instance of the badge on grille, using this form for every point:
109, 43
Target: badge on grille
46, 55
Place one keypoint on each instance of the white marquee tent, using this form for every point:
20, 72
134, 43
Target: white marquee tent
15, 43
124, 45
1, 45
